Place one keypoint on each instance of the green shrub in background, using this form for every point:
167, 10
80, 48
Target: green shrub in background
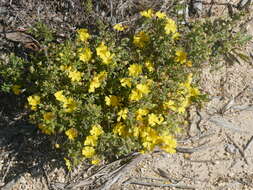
124, 90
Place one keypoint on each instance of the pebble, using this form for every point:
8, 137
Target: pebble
230, 148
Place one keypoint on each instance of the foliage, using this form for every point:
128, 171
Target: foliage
122, 90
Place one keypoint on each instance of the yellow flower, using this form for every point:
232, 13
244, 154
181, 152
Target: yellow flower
69, 105
95, 161
16, 89
181, 109
186, 85
96, 130
135, 95
88, 152
160, 14
136, 130
184, 102
140, 39
135, 70
148, 13
104, 53
118, 27
33, 101
61, 54
194, 92
59, 96
93, 85
149, 134
86, 55
45, 130
48, 116
122, 114
119, 129
126, 82
150, 66
83, 34
170, 144
188, 64
97, 80
170, 26
170, 105
57, 145
153, 119
176, 36
102, 75
71, 133
75, 76
181, 56
67, 163
148, 145
189, 78
91, 140
169, 149
112, 100
140, 113
150, 82
65, 68
143, 88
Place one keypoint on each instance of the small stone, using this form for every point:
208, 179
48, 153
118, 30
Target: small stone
216, 162
230, 148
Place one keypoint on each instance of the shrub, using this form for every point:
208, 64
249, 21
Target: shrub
123, 90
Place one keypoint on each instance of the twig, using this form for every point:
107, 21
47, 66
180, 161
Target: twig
214, 160
216, 3
220, 122
227, 106
102, 171
244, 182
228, 185
112, 177
11, 183
151, 178
180, 186
8, 168
241, 151
242, 107
248, 143
164, 174
198, 137
231, 102
111, 7
240, 93
124, 169
192, 150
243, 4
46, 177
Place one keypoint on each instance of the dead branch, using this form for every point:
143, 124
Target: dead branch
241, 151
180, 186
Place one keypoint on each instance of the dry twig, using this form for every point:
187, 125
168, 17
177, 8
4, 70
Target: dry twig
180, 186
221, 122
241, 151
192, 150
217, 160
111, 177
248, 143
